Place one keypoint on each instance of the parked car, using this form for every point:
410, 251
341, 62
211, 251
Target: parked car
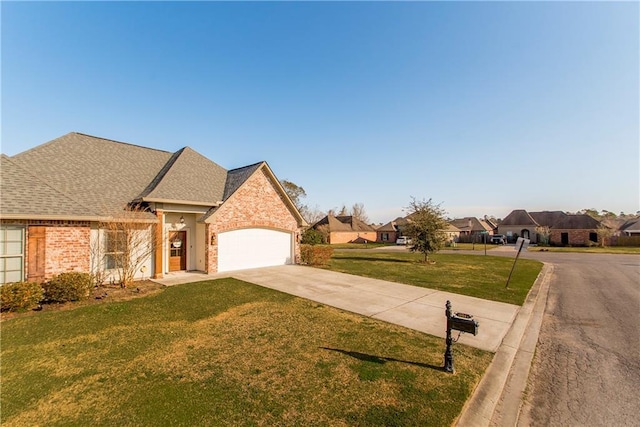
403, 241
499, 239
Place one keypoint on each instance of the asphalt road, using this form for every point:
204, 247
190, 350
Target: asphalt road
586, 371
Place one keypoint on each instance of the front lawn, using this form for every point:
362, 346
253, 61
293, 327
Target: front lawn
226, 352
473, 275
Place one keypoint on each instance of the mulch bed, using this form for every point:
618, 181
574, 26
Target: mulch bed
100, 295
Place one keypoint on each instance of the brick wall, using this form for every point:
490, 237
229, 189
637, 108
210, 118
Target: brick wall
576, 237
349, 236
256, 204
67, 249
67, 245
392, 236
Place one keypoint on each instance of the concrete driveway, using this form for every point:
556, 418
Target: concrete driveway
409, 306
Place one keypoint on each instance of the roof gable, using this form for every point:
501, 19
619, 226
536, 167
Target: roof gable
190, 177
519, 217
343, 223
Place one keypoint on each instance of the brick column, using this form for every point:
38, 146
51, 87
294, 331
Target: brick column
159, 245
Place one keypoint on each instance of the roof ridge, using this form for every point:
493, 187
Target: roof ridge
89, 136
122, 142
161, 174
45, 183
248, 166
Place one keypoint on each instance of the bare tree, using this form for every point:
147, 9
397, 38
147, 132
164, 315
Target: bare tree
604, 233
313, 215
357, 211
544, 232
129, 240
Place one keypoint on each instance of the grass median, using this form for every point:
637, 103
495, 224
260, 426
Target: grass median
473, 275
226, 352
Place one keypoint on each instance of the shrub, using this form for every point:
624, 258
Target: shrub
312, 237
68, 287
20, 296
315, 255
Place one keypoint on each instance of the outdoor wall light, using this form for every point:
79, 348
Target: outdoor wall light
213, 239
181, 219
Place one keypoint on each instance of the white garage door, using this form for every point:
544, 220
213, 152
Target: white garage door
253, 247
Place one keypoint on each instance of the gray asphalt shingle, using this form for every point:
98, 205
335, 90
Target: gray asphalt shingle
83, 175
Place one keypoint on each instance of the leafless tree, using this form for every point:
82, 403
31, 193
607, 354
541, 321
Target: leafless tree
128, 242
358, 212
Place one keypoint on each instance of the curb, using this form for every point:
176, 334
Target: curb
497, 399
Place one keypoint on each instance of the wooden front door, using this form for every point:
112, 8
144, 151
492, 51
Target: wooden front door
36, 255
177, 250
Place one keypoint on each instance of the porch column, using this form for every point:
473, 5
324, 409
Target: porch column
159, 245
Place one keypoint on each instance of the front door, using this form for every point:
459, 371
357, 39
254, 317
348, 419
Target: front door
177, 250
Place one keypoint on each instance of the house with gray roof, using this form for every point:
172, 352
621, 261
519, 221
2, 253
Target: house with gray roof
565, 229
56, 198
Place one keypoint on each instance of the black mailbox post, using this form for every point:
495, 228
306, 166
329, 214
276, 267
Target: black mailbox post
460, 322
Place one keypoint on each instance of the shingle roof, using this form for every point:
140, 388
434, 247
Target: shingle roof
463, 224
519, 217
576, 222
552, 219
79, 175
22, 193
185, 179
343, 223
631, 226
547, 218
99, 174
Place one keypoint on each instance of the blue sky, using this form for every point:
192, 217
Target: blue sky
484, 107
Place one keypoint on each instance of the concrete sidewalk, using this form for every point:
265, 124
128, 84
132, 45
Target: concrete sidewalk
409, 306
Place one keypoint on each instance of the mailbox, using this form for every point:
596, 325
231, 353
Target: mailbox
464, 323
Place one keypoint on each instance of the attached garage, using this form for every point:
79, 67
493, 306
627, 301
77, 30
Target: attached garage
252, 248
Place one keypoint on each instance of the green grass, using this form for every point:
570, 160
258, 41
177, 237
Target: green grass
590, 250
360, 245
226, 352
478, 276
470, 247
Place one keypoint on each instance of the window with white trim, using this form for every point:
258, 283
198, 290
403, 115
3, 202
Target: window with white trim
115, 245
11, 254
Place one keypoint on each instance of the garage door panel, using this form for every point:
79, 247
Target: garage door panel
252, 248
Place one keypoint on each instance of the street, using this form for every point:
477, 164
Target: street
586, 370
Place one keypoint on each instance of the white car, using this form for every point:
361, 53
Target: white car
403, 241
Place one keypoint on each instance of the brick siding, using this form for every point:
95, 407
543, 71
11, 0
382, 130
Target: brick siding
66, 245
256, 204
67, 249
349, 236
576, 237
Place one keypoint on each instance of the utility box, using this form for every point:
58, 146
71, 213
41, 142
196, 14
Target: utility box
464, 323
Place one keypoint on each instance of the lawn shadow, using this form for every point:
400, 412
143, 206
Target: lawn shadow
361, 258
380, 359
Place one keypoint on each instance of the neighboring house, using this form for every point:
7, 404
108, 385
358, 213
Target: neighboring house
453, 234
345, 229
57, 197
630, 227
565, 229
471, 229
390, 231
